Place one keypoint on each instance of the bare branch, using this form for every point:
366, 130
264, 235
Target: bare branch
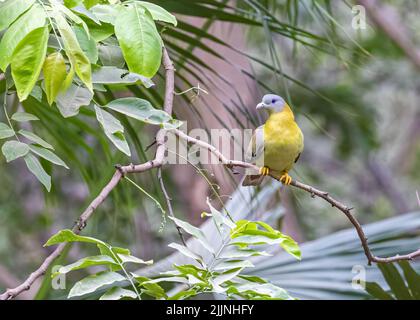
9, 280
313, 192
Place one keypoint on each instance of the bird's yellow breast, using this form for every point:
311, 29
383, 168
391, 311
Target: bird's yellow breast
283, 141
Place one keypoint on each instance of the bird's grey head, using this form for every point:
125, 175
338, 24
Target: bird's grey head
272, 102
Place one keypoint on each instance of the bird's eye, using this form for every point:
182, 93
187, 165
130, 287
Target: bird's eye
273, 101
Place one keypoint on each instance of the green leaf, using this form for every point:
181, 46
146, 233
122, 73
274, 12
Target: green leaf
54, 75
27, 61
233, 264
37, 93
252, 278
113, 129
78, 59
5, 131
412, 278
36, 168
34, 138
291, 246
48, 155
139, 40
118, 250
233, 252
185, 251
32, 19
67, 235
377, 292
58, 7
112, 252
68, 81
87, 44
69, 102
125, 258
158, 13
108, 121
245, 227
261, 291
23, 117
10, 10
95, 282
185, 294
111, 55
195, 232
167, 279
13, 150
100, 32
154, 290
140, 109
395, 281
91, 3
249, 233
150, 287
105, 13
225, 276
219, 218
118, 293
244, 241
112, 75
83, 12
189, 269
86, 263
72, 3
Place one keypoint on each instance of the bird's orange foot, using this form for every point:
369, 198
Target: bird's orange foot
265, 171
286, 179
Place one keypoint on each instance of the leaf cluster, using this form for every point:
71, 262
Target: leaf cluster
222, 273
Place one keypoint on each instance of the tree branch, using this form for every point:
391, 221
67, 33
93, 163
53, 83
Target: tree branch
313, 192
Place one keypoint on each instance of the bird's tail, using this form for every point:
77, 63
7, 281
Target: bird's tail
253, 180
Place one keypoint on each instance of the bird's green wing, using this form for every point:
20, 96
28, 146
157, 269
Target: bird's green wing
256, 145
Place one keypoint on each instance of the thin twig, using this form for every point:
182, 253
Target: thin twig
346, 210
169, 204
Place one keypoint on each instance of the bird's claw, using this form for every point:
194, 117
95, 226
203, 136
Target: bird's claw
265, 171
286, 179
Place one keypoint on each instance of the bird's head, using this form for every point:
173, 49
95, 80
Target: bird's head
272, 103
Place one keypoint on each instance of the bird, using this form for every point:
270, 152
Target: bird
276, 145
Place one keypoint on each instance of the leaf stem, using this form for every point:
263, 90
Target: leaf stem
7, 114
51, 23
147, 194
125, 272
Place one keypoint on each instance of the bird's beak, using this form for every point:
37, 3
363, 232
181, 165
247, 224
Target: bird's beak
261, 105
